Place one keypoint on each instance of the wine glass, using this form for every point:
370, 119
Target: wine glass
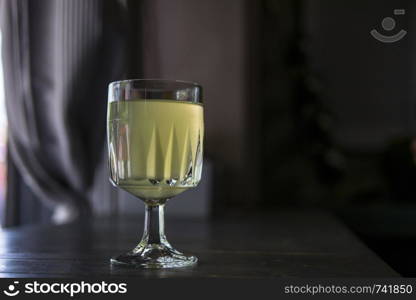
155, 132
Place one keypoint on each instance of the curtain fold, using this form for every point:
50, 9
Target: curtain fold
58, 57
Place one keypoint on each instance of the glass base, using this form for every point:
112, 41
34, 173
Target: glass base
154, 256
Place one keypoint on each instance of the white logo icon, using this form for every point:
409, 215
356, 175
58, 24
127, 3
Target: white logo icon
11, 291
388, 24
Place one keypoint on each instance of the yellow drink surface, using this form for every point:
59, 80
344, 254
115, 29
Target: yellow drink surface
155, 146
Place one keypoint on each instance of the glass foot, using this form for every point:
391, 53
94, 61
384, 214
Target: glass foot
154, 256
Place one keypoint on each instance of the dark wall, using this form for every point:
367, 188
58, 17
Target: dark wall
337, 104
368, 84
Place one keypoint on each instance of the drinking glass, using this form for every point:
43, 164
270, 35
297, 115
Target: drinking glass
155, 132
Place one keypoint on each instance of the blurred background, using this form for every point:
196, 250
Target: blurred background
304, 109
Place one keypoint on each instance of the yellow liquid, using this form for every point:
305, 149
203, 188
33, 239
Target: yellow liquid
155, 146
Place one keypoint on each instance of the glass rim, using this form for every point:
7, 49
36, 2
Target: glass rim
191, 83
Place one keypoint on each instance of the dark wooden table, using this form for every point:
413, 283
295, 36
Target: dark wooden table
290, 244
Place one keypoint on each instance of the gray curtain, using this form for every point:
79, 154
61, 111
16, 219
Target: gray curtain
58, 57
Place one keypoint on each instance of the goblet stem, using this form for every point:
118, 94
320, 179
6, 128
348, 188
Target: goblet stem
154, 251
154, 225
